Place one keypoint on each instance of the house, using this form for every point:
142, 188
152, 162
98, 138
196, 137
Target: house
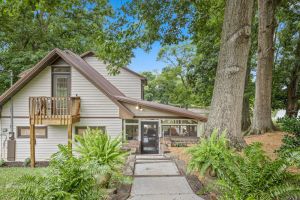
65, 93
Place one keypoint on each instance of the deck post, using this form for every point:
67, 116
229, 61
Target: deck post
70, 134
32, 145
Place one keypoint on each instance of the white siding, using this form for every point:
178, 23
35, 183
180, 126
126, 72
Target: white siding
93, 102
45, 147
38, 86
113, 126
126, 82
149, 112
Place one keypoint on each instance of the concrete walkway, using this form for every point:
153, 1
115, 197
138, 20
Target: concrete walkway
158, 178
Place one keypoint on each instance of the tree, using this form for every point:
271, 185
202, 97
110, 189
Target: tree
262, 121
226, 106
30, 29
286, 82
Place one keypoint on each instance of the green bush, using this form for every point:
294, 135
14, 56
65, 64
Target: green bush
68, 177
26, 162
247, 175
254, 176
290, 125
2, 162
210, 154
96, 146
290, 148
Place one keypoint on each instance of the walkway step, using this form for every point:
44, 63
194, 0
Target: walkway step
166, 197
156, 169
160, 185
149, 157
156, 177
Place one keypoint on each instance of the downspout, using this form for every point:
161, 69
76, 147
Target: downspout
11, 134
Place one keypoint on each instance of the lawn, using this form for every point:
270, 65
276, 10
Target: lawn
8, 176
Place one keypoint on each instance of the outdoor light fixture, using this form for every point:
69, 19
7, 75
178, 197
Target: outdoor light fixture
139, 108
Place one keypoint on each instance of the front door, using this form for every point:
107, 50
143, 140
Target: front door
150, 140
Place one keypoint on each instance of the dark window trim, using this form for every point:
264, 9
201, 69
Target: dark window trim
27, 127
61, 73
91, 127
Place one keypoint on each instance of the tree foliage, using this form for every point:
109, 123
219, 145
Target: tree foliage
30, 29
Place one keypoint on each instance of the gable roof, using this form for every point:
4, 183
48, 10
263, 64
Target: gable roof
91, 53
97, 80
162, 107
79, 64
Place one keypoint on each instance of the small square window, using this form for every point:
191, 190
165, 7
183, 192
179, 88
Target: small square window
24, 132
79, 130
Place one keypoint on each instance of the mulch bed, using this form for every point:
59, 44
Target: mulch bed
21, 164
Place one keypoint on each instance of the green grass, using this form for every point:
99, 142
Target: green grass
8, 176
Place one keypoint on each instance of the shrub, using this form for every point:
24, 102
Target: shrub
290, 125
96, 146
2, 162
255, 176
68, 177
210, 154
26, 162
290, 148
246, 175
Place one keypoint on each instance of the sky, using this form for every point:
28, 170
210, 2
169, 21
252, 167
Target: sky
143, 61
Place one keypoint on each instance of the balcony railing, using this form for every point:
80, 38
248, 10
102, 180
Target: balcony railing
54, 110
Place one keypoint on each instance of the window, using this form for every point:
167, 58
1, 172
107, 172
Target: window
179, 128
132, 132
131, 129
79, 130
24, 132
131, 121
61, 69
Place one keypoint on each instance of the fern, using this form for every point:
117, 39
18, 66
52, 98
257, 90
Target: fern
249, 175
210, 154
255, 176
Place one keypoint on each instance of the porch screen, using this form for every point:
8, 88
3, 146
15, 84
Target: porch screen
179, 128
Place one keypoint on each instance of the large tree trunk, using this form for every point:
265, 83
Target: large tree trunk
227, 100
262, 121
292, 107
246, 121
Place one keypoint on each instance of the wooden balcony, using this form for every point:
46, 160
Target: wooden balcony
54, 110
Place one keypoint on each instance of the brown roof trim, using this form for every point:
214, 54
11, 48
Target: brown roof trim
48, 59
91, 53
167, 108
78, 63
23, 73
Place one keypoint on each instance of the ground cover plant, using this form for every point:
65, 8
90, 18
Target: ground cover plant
88, 176
10, 175
244, 175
